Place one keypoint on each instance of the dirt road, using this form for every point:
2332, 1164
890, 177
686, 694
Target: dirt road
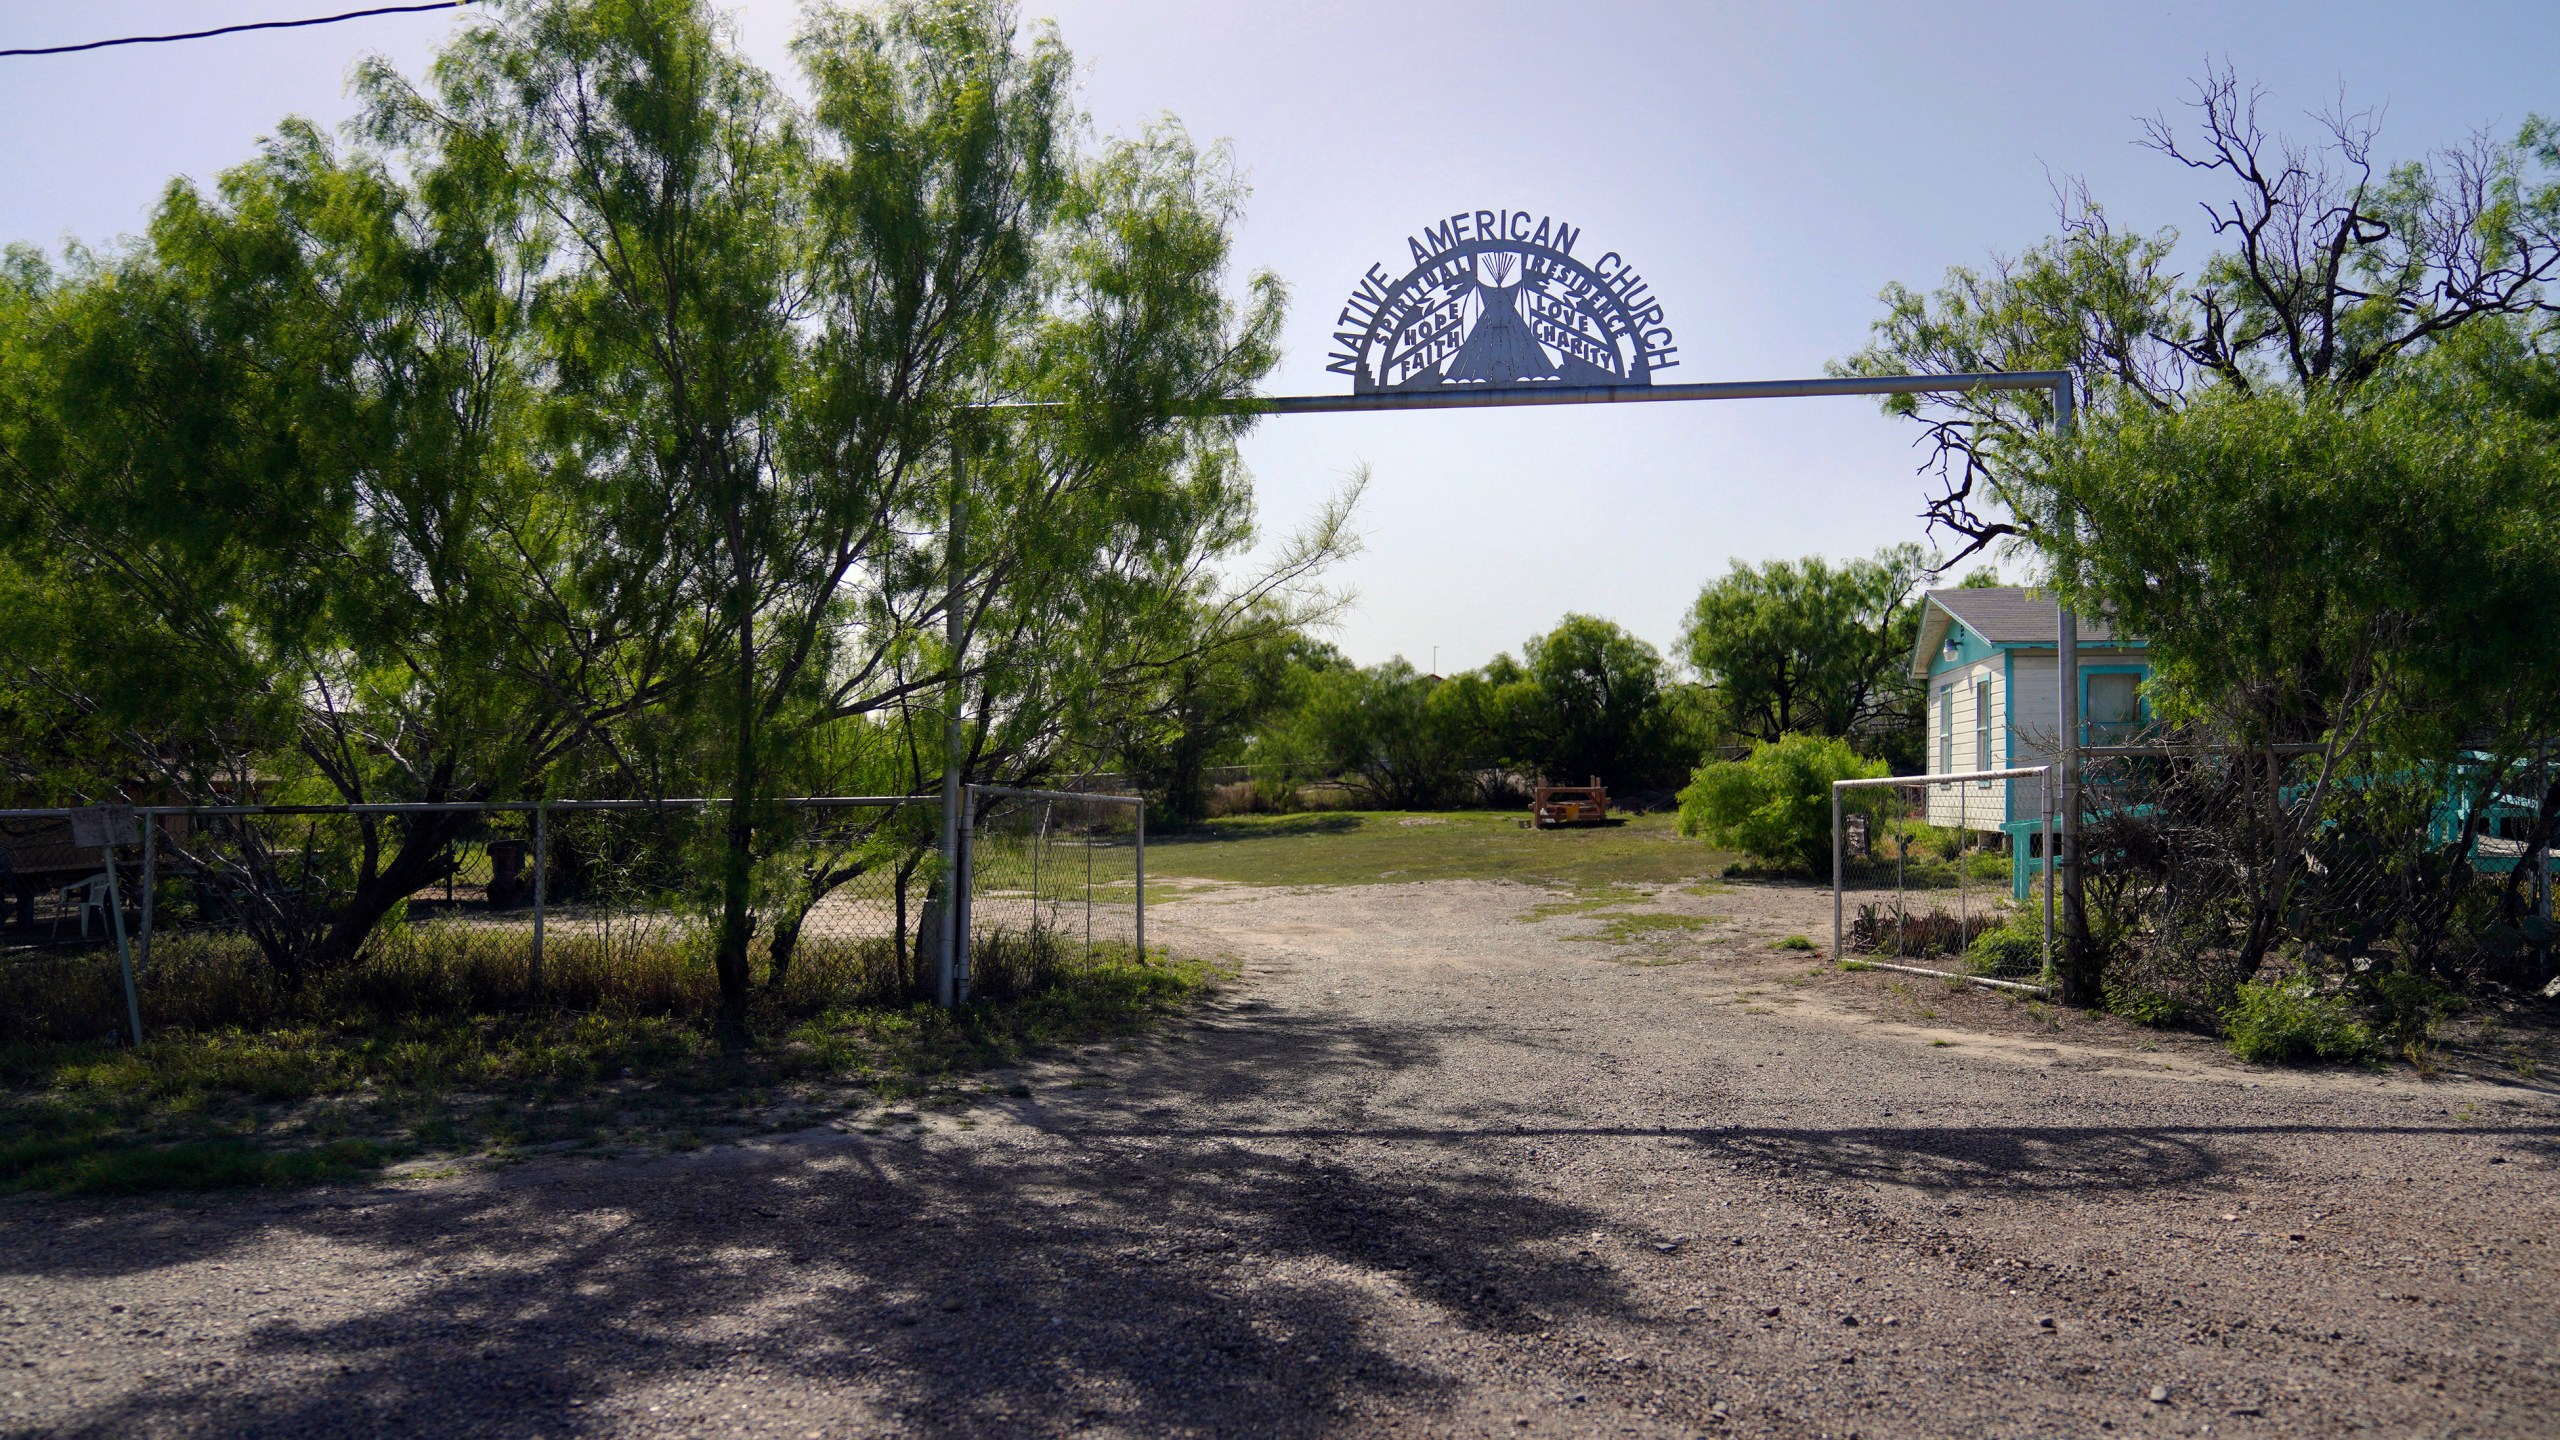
1425, 1169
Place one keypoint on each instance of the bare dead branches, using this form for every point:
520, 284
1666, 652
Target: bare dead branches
2330, 267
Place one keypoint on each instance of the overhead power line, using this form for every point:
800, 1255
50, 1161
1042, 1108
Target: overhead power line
236, 29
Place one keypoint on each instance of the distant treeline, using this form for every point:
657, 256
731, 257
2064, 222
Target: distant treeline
1788, 647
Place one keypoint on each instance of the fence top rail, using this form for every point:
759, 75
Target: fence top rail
2017, 773
1021, 792
466, 807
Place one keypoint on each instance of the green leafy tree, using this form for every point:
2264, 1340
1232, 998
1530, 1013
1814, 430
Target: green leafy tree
2364, 579
1375, 728
266, 526
1586, 698
605, 413
1203, 708
1812, 647
1774, 804
770, 324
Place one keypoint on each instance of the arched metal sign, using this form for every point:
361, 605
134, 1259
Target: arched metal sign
1496, 300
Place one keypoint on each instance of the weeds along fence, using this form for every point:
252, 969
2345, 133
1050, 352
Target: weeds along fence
1949, 871
257, 915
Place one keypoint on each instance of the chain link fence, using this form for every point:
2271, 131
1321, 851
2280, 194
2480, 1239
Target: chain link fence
247, 915
1944, 872
2209, 864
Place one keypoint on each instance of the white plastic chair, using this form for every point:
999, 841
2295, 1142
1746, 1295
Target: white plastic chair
87, 897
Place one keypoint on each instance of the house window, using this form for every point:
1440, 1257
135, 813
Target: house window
2115, 706
1982, 727
1946, 729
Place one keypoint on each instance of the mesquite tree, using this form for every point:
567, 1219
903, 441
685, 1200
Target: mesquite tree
602, 409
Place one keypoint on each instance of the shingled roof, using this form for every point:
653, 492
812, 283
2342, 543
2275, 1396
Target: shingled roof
2014, 615
2002, 615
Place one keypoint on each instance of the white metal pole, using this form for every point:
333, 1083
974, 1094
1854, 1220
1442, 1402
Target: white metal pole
964, 894
2066, 657
954, 635
124, 952
1839, 850
2044, 803
150, 888
541, 888
1142, 881
1964, 832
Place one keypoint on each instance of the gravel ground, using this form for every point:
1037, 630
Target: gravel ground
1426, 1168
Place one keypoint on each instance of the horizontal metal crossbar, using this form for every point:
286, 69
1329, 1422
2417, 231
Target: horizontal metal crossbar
2021, 772
1457, 398
1021, 793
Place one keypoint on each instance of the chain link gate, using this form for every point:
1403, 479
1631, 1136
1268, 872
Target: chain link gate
1053, 875
1903, 847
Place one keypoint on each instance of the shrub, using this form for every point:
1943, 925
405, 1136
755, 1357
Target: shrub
2288, 1023
2008, 950
1775, 803
2409, 1006
2144, 1005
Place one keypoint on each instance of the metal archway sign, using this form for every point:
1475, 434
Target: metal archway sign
1497, 300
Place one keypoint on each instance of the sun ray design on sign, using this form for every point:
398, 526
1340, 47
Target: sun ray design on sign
1497, 300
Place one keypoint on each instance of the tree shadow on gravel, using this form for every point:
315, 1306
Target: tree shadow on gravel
2008, 1159
1157, 1278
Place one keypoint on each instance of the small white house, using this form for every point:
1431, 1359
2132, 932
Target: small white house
1987, 657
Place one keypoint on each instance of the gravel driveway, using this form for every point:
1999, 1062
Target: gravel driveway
1427, 1168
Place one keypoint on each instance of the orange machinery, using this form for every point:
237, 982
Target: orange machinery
1553, 805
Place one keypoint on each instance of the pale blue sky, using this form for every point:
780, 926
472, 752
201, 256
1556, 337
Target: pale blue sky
1768, 168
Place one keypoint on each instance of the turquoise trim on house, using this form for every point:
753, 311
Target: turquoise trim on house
2009, 731
1970, 649
2142, 714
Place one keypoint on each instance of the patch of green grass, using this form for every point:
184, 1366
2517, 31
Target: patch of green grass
1587, 902
101, 1164
1796, 942
1636, 929
1358, 847
311, 1103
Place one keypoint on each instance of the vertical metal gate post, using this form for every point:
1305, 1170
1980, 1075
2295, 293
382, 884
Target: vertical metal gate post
2044, 804
541, 886
1964, 832
1142, 880
954, 636
2066, 661
124, 951
1839, 873
150, 887
964, 896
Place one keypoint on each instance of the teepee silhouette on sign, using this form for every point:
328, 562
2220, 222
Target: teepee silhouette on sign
1501, 350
